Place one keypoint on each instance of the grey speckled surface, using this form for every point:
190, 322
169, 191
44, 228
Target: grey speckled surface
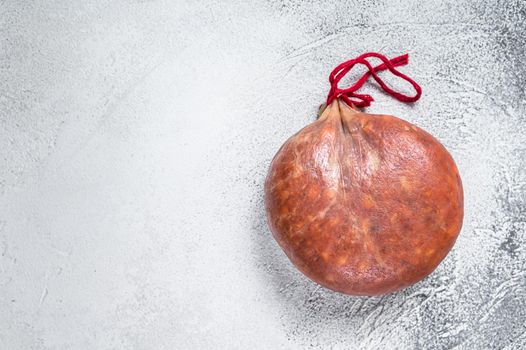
135, 137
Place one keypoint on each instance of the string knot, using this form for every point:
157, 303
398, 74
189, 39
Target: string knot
351, 97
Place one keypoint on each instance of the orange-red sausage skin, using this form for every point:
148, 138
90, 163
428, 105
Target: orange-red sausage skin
364, 204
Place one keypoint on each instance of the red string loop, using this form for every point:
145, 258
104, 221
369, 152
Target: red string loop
349, 94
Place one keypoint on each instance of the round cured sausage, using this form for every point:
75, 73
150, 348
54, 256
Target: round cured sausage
363, 204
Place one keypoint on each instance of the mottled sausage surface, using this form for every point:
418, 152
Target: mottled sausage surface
364, 204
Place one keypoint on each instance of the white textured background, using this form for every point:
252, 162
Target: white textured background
135, 137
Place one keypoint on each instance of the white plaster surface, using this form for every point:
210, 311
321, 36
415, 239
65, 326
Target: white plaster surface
135, 137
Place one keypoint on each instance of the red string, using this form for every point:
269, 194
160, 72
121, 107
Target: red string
350, 96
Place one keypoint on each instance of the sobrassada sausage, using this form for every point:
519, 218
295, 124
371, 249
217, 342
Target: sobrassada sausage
364, 204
